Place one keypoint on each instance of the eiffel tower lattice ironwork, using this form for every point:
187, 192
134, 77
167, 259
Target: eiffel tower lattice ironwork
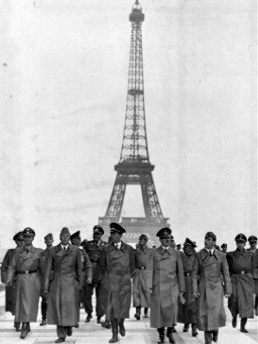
134, 166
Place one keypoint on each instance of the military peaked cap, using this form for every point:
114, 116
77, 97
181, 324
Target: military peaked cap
28, 232
115, 227
240, 238
98, 229
211, 235
18, 236
189, 242
64, 230
252, 238
164, 233
75, 235
48, 236
143, 237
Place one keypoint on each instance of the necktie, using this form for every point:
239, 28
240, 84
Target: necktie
210, 253
117, 246
64, 248
27, 250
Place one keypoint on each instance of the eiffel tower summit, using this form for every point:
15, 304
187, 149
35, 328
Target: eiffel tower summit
134, 167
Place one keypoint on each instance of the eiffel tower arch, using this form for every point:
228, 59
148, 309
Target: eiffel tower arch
134, 167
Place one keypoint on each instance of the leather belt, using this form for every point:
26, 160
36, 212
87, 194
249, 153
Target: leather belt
188, 273
142, 268
27, 272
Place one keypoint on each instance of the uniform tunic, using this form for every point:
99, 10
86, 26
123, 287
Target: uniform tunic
120, 265
167, 281
255, 269
211, 279
27, 284
240, 264
10, 292
187, 313
94, 251
63, 296
142, 277
86, 272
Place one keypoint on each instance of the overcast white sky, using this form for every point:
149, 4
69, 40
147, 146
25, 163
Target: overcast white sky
63, 73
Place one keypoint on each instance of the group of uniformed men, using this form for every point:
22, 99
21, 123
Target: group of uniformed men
186, 287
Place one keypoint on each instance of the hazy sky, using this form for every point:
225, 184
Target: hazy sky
63, 73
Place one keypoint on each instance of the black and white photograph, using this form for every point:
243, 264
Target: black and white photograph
128, 171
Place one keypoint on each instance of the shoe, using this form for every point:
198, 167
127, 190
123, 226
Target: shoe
17, 326
137, 316
122, 328
161, 339
60, 340
69, 331
234, 322
43, 322
173, 329
114, 338
186, 328
106, 324
194, 330
89, 316
243, 330
25, 330
98, 320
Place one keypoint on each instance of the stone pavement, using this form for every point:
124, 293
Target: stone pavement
137, 332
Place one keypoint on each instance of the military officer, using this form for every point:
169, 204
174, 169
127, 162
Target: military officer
64, 263
187, 313
25, 265
210, 265
240, 264
253, 242
86, 266
118, 260
143, 272
224, 247
167, 284
94, 249
49, 243
10, 292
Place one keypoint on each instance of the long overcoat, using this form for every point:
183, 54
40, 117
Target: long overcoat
27, 284
211, 279
142, 277
167, 282
187, 313
240, 264
120, 265
63, 296
10, 292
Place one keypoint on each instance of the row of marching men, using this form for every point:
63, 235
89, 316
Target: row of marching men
177, 287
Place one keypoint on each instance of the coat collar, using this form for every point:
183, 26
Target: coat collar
162, 251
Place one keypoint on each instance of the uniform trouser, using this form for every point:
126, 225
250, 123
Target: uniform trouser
88, 292
44, 308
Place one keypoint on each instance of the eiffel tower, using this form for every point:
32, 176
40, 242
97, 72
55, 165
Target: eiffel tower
134, 167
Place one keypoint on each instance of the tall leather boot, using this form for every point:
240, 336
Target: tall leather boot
242, 325
161, 332
186, 328
145, 312
121, 327
215, 335
137, 315
170, 335
207, 337
114, 326
194, 330
17, 325
25, 330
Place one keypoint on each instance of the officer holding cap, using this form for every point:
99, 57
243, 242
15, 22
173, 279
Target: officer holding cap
94, 249
166, 284
240, 264
10, 293
253, 242
26, 266
118, 260
187, 313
